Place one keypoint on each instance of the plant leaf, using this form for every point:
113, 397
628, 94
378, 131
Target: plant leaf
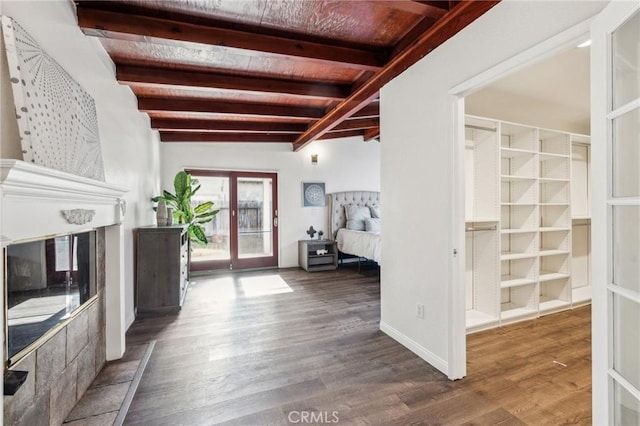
181, 184
198, 233
202, 208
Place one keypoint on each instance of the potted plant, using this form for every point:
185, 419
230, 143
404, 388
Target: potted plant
320, 234
183, 210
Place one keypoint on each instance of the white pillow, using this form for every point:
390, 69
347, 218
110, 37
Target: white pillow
376, 211
372, 224
356, 216
356, 225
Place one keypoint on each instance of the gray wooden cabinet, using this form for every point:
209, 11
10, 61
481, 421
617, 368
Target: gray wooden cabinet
162, 268
310, 260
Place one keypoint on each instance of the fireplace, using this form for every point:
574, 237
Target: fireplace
63, 274
48, 281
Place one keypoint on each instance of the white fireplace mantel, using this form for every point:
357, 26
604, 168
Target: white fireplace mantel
38, 202
35, 197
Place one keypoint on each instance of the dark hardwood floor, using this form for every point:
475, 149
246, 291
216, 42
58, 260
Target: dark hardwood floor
289, 347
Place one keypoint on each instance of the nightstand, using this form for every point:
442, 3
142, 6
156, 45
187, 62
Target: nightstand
310, 261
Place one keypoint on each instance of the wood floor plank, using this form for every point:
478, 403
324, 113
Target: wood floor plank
229, 358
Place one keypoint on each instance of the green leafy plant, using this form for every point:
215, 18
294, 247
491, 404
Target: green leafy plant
183, 211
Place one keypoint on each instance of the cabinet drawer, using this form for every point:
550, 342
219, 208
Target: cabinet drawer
320, 260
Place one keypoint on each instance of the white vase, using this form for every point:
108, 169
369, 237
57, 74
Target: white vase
161, 213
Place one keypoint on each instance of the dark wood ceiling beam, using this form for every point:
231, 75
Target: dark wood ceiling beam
221, 107
166, 124
430, 9
358, 124
127, 74
99, 23
371, 110
371, 134
457, 18
224, 137
341, 134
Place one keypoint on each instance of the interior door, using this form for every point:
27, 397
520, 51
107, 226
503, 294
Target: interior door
244, 233
615, 71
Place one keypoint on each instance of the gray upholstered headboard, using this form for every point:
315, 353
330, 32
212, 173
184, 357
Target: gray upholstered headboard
338, 200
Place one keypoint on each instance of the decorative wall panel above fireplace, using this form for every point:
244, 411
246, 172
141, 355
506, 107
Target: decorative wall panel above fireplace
57, 118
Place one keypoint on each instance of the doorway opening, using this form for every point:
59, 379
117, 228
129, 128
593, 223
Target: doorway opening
524, 137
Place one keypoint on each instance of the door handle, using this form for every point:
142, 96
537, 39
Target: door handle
275, 222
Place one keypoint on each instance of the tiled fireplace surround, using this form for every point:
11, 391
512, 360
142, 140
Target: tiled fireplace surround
61, 370
63, 367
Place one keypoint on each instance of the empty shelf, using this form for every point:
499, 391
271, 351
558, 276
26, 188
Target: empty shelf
548, 304
544, 252
510, 255
507, 281
511, 310
509, 178
546, 179
549, 156
552, 229
475, 319
517, 231
551, 275
513, 152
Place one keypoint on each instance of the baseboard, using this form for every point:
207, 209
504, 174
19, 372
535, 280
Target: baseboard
415, 347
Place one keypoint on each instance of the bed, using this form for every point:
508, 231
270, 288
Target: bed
363, 243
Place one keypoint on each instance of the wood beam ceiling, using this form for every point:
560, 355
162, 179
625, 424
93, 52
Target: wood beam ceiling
206, 79
457, 18
215, 72
99, 23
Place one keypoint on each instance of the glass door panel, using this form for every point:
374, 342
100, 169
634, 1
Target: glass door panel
619, 127
255, 234
218, 231
256, 220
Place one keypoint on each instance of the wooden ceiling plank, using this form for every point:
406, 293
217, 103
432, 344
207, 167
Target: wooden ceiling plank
224, 137
430, 9
183, 78
241, 108
165, 124
457, 18
358, 124
100, 23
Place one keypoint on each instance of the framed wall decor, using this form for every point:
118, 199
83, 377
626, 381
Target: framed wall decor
313, 194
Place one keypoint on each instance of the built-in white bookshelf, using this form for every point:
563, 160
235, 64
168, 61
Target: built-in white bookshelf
527, 222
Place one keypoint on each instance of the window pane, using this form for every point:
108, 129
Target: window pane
626, 62
626, 154
626, 247
626, 339
626, 407
255, 236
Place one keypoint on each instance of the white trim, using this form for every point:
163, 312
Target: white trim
624, 292
457, 342
635, 104
610, 18
415, 347
624, 383
561, 42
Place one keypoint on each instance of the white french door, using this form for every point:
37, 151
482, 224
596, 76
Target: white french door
615, 115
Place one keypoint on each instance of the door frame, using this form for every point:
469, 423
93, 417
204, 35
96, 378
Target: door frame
604, 375
457, 344
235, 262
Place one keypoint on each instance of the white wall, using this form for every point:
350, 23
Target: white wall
343, 165
417, 124
129, 147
